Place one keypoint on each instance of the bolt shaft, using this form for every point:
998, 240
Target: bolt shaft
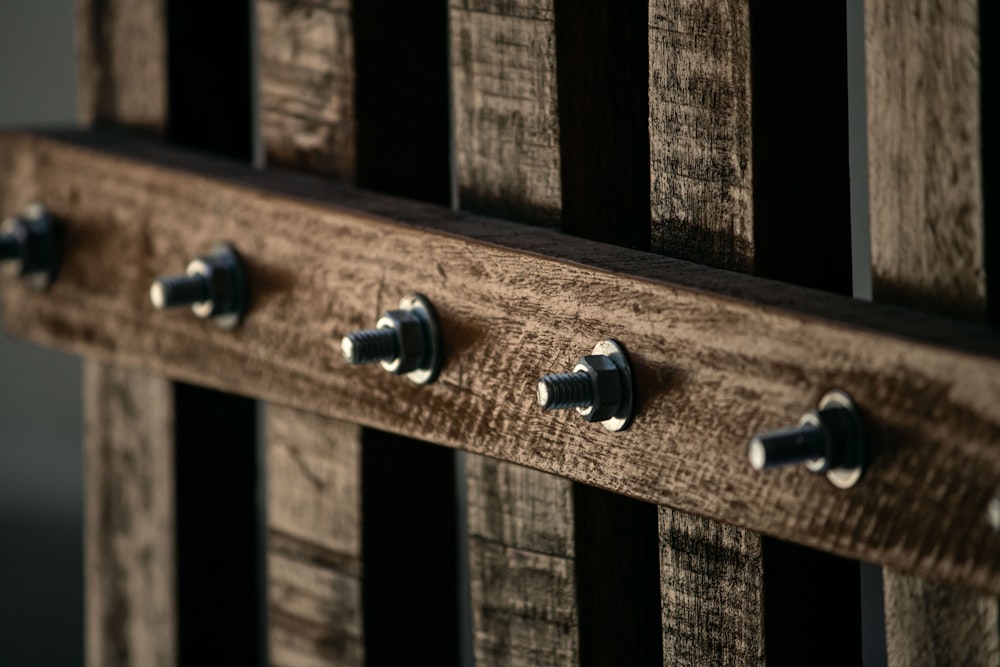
563, 391
173, 291
370, 346
787, 446
10, 247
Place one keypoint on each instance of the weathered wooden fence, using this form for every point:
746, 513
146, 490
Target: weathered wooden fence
673, 175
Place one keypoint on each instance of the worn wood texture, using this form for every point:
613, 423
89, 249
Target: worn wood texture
122, 61
131, 612
314, 539
924, 163
711, 575
699, 132
306, 84
130, 608
520, 521
925, 182
505, 108
717, 355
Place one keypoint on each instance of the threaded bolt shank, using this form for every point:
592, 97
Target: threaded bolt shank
370, 346
563, 391
787, 446
174, 291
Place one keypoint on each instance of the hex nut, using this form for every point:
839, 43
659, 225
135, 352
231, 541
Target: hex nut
607, 382
411, 336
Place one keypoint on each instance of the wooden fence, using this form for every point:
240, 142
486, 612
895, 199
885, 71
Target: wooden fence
674, 175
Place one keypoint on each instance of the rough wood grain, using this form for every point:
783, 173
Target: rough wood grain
122, 61
505, 108
925, 181
699, 132
314, 539
306, 84
506, 135
711, 574
131, 612
130, 607
718, 355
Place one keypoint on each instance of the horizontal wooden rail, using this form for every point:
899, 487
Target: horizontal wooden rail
718, 356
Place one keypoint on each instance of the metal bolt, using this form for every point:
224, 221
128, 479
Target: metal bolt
830, 439
599, 388
993, 513
406, 341
214, 286
29, 245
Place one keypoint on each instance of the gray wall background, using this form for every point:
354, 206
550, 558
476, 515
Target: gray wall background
41, 483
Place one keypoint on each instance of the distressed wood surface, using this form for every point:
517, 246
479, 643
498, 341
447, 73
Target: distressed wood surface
699, 132
314, 539
130, 602
717, 355
131, 607
505, 108
520, 521
306, 84
711, 574
122, 61
925, 180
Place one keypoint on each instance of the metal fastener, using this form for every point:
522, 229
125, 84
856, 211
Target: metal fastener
406, 341
29, 246
993, 513
214, 286
599, 388
830, 439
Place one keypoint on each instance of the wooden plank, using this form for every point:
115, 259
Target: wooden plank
925, 170
520, 521
130, 603
711, 574
314, 539
926, 384
306, 84
505, 108
122, 60
131, 606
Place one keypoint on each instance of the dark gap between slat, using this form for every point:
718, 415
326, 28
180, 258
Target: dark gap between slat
220, 598
802, 235
602, 67
410, 529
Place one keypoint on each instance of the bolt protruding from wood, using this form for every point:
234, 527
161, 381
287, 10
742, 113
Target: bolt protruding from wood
405, 341
830, 439
565, 391
599, 388
993, 513
29, 246
370, 346
214, 286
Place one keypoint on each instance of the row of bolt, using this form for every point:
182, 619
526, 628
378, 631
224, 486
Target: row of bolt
407, 341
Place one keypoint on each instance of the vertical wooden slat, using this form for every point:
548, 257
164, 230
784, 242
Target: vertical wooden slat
129, 540
702, 210
306, 83
720, 160
129, 551
314, 539
925, 169
520, 521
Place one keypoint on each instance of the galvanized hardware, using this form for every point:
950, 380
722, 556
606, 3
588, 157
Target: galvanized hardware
406, 341
214, 286
993, 513
600, 387
830, 439
29, 246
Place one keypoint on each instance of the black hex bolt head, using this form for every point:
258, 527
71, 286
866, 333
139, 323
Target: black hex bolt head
30, 246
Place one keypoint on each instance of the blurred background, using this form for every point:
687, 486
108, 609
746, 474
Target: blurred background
41, 466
